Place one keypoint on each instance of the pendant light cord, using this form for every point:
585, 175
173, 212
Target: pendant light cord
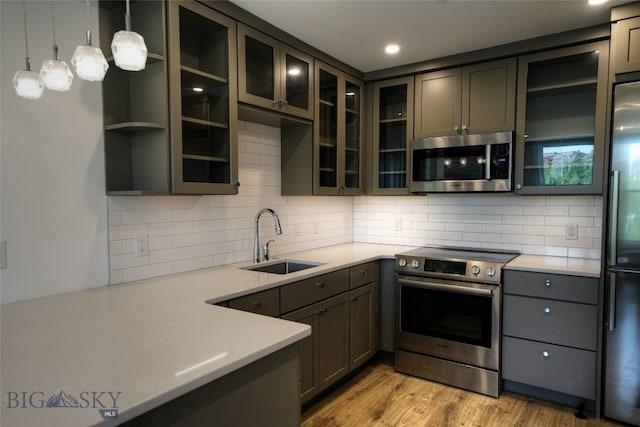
26, 39
53, 31
88, 30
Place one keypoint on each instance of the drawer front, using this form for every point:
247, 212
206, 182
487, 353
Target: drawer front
299, 294
555, 286
557, 322
562, 369
362, 274
264, 302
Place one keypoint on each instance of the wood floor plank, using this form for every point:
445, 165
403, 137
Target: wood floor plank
380, 397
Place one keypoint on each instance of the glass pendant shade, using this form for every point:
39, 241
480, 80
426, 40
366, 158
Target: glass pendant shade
89, 63
28, 84
129, 50
56, 75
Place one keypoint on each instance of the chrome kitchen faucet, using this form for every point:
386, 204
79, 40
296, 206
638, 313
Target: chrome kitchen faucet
256, 235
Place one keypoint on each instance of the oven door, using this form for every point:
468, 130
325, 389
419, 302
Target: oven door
457, 321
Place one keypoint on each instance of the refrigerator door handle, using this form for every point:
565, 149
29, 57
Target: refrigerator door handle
613, 221
611, 315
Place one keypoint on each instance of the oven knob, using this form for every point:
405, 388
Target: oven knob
402, 262
475, 270
491, 271
415, 263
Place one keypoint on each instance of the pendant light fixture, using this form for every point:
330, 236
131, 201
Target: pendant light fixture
128, 47
55, 74
27, 83
89, 61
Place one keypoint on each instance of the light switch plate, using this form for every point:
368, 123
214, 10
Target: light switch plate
3, 254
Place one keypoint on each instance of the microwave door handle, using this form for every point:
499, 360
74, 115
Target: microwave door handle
487, 162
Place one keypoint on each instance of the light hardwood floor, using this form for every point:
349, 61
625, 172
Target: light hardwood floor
379, 396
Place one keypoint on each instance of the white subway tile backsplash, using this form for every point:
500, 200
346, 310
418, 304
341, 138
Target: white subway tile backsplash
192, 232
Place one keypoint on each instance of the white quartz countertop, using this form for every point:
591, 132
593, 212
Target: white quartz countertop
142, 344
557, 265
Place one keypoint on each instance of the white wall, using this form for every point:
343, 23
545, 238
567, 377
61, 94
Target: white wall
533, 225
191, 232
53, 207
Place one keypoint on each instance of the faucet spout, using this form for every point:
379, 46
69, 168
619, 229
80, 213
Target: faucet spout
256, 231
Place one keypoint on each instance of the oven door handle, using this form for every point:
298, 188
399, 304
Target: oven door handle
448, 288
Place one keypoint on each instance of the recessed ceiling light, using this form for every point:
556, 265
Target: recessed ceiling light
597, 2
392, 48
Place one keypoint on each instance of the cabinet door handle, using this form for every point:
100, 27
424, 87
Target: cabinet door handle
321, 311
364, 272
354, 299
456, 128
547, 310
518, 186
547, 283
257, 304
465, 128
545, 354
284, 102
320, 285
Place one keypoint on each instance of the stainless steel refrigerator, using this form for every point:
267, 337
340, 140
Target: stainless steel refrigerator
622, 337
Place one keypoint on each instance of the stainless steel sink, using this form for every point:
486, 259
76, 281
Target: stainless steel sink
283, 267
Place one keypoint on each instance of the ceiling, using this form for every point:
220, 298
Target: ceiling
356, 31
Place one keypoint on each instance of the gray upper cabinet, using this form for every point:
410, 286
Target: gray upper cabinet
560, 125
337, 132
203, 99
625, 38
474, 99
135, 105
273, 75
392, 111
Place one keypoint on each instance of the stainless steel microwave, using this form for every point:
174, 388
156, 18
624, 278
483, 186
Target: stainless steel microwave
462, 163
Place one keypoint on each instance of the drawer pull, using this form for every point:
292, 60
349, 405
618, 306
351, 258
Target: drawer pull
545, 354
321, 311
354, 299
363, 272
320, 285
547, 283
547, 310
257, 304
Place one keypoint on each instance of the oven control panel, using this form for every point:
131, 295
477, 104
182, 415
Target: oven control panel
469, 270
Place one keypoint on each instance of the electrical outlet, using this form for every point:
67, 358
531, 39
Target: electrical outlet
3, 254
571, 231
398, 224
141, 245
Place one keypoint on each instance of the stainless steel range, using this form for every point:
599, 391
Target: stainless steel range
448, 323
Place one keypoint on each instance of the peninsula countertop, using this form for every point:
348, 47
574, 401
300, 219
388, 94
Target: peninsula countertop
135, 346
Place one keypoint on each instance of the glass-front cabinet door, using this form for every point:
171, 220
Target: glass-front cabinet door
203, 100
560, 129
338, 132
273, 75
392, 131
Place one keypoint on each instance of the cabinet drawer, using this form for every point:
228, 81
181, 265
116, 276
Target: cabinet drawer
362, 274
562, 369
555, 286
265, 302
305, 292
557, 322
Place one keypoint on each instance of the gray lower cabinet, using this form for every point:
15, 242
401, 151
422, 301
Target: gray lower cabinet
550, 332
324, 355
266, 302
364, 313
342, 308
